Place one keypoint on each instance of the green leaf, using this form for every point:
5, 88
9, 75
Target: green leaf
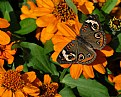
119, 95
100, 14
6, 9
34, 56
67, 92
109, 5
26, 26
48, 46
116, 43
72, 5
86, 87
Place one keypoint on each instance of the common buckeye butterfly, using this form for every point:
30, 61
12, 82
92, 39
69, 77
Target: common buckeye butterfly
82, 49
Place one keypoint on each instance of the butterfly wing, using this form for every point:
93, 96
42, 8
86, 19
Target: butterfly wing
92, 32
76, 52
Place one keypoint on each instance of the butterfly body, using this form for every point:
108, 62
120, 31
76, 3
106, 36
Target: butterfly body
82, 49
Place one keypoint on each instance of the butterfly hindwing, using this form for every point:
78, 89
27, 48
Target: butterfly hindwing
76, 52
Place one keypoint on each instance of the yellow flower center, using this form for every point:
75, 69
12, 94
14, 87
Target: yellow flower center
64, 12
12, 81
48, 90
115, 24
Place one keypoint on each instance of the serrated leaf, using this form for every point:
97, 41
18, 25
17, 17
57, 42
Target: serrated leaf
67, 92
86, 88
48, 46
72, 5
26, 26
109, 5
35, 57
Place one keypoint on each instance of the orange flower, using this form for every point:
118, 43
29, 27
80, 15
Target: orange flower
116, 80
51, 12
67, 34
5, 45
15, 84
48, 88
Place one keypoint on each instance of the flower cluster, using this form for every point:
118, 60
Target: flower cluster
53, 48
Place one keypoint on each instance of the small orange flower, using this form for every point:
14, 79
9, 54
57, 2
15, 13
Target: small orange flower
51, 12
64, 36
48, 88
116, 80
5, 45
15, 84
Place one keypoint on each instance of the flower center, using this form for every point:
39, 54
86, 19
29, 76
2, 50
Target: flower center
64, 12
48, 90
12, 80
115, 24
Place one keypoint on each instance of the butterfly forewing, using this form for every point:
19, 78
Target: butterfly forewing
92, 32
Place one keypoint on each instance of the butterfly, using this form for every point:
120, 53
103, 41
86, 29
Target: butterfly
82, 49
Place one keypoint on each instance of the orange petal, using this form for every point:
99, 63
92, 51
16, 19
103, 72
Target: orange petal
75, 70
59, 38
47, 79
65, 65
108, 51
25, 10
45, 20
10, 59
7, 93
4, 23
45, 35
45, 3
59, 46
99, 68
31, 90
32, 5
89, 70
65, 30
120, 63
19, 94
54, 56
117, 79
4, 38
2, 90
118, 86
1, 62
19, 68
24, 16
85, 75
29, 76
57, 95
52, 27
86, 8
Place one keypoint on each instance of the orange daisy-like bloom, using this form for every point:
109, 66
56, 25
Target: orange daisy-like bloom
116, 80
67, 34
5, 45
48, 88
50, 12
15, 84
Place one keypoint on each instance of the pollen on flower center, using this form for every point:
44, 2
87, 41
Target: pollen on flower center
48, 90
64, 12
12, 80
